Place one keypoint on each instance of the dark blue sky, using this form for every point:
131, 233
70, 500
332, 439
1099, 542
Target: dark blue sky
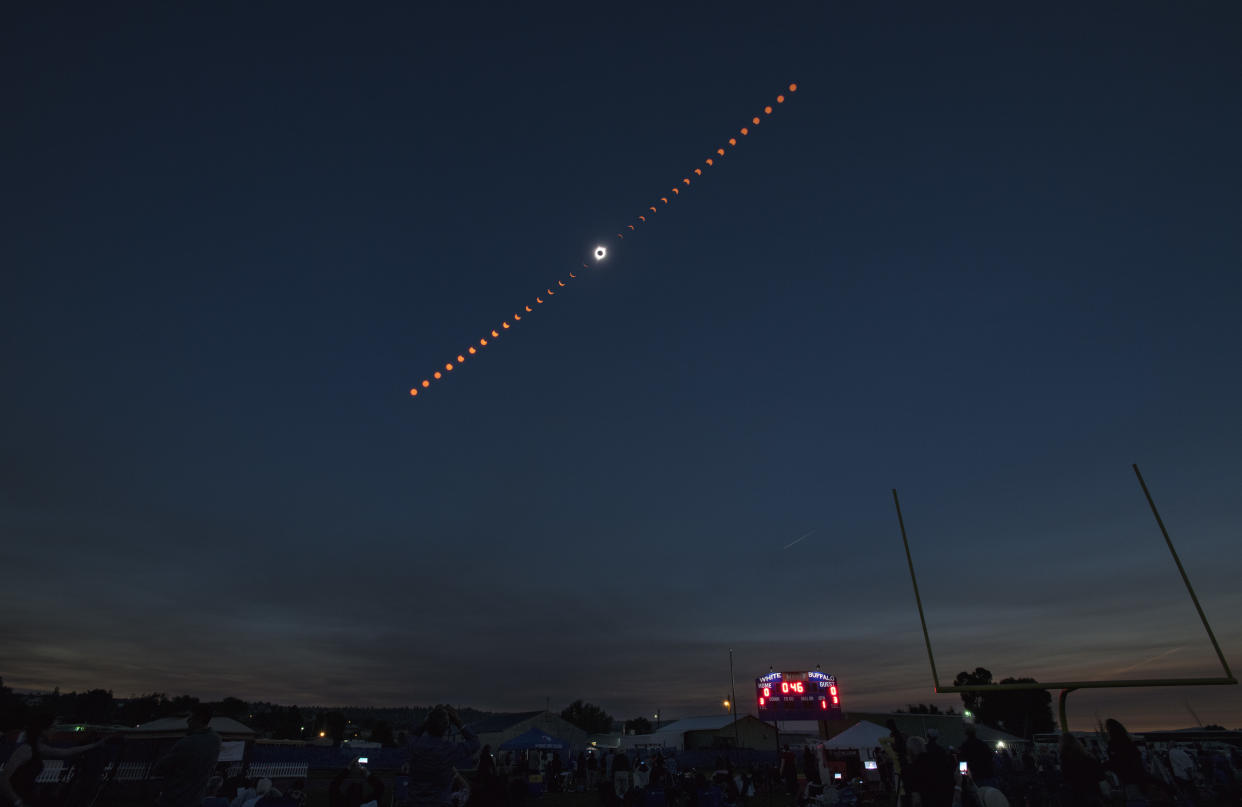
989, 258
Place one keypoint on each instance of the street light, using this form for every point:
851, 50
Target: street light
725, 703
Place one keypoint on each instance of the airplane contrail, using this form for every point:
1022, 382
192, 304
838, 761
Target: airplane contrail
1153, 658
796, 540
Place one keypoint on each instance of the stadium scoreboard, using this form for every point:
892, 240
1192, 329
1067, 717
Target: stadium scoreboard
809, 695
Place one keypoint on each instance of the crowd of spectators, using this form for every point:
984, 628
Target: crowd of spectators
1102, 772
1108, 769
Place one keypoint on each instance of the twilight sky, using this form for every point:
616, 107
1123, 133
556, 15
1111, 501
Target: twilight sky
988, 258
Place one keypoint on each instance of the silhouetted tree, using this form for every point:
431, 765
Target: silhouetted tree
12, 708
973, 701
1022, 712
92, 706
381, 732
1025, 712
235, 708
638, 725
180, 705
143, 709
588, 717
334, 723
922, 709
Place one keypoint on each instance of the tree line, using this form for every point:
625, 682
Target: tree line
389, 726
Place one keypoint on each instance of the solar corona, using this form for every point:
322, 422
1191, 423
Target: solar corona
600, 252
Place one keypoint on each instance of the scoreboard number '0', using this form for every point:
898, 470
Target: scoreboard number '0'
809, 695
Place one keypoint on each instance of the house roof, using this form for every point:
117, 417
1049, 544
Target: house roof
706, 723
951, 727
501, 722
175, 725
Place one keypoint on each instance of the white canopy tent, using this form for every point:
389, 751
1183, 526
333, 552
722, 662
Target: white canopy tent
863, 736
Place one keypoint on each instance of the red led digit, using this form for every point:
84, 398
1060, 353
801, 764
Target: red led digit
761, 699
834, 699
767, 693
823, 704
832, 690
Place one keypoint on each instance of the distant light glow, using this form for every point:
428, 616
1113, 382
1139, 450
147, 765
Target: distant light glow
601, 253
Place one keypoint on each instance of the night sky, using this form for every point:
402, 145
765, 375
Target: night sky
988, 258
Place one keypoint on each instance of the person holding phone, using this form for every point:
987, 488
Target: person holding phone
343, 792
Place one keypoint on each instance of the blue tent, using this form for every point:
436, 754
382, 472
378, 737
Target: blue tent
534, 738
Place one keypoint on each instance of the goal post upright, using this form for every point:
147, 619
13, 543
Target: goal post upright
1067, 687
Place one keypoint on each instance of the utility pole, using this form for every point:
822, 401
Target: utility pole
737, 743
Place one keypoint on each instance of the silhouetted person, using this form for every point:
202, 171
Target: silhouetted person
433, 758
346, 791
1124, 760
213, 797
810, 765
789, 771
929, 774
17, 780
978, 758
189, 763
1081, 772
622, 781
297, 792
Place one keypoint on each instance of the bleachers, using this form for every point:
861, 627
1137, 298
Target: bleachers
278, 770
129, 772
53, 769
